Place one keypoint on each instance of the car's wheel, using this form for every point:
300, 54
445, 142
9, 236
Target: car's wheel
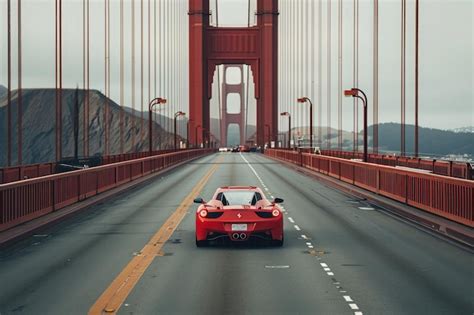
201, 243
278, 243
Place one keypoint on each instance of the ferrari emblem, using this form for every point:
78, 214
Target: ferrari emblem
239, 215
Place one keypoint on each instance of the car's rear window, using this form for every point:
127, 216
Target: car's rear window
239, 197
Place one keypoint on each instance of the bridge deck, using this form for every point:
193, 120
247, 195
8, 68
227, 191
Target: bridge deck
376, 264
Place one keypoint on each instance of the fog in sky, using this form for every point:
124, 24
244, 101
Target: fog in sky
446, 53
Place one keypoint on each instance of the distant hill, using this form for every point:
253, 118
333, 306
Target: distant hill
3, 91
431, 141
39, 126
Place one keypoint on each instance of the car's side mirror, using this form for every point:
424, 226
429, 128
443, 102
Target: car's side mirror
278, 200
199, 200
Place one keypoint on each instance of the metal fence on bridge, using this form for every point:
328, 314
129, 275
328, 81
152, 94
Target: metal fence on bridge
447, 197
25, 200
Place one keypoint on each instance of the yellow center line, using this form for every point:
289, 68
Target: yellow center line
113, 297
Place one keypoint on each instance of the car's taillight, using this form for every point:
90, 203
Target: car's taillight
203, 213
275, 213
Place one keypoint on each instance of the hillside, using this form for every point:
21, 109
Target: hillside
432, 141
3, 91
39, 126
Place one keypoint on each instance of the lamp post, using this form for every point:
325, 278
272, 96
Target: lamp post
153, 102
354, 92
304, 100
176, 115
289, 127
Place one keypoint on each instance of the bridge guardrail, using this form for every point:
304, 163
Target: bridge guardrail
21, 172
28, 199
448, 197
441, 167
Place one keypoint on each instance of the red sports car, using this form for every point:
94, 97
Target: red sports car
239, 213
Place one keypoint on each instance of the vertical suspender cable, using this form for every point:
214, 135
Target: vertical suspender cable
141, 74
87, 100
132, 46
329, 75
403, 69
122, 78
219, 101
313, 49
149, 56
339, 89
417, 20
320, 72
375, 125
9, 92
154, 62
247, 82
19, 98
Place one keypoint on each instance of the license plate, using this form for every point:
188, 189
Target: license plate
239, 227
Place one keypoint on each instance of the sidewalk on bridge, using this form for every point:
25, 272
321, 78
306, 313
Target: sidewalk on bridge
429, 222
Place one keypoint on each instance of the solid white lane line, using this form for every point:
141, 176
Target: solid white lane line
297, 228
353, 306
348, 298
291, 220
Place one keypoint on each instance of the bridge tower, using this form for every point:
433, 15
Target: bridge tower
232, 118
255, 46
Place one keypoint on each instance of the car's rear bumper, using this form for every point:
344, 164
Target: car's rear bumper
271, 229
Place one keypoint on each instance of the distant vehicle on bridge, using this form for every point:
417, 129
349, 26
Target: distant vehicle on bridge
244, 148
239, 213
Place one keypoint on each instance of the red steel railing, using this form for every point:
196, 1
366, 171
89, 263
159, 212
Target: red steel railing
15, 173
451, 198
25, 200
440, 167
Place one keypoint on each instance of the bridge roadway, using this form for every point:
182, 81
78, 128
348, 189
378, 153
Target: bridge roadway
375, 264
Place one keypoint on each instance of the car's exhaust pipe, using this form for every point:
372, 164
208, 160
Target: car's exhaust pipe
235, 236
243, 236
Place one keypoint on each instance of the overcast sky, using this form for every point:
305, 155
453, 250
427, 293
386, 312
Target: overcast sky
446, 53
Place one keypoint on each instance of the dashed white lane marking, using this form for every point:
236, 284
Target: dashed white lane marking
273, 197
353, 306
325, 267
348, 298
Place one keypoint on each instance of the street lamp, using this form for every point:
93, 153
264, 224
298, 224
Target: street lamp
354, 92
176, 115
289, 127
155, 101
304, 100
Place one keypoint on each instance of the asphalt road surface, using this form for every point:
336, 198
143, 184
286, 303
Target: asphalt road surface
341, 255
